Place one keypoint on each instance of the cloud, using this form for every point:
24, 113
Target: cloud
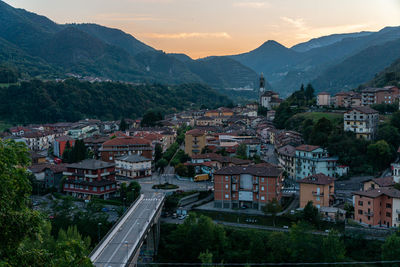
125, 17
186, 35
304, 31
258, 4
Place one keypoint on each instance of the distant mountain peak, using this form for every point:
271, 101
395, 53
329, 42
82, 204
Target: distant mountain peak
271, 43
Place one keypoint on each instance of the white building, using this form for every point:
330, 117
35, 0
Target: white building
323, 99
312, 160
133, 166
363, 121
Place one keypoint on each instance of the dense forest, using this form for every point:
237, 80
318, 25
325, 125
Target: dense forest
42, 102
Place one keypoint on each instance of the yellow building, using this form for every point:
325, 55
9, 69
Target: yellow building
317, 188
195, 141
363, 121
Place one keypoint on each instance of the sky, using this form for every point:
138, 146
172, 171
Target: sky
201, 28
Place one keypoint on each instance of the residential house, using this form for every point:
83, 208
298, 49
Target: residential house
363, 121
347, 99
53, 175
121, 146
195, 141
133, 166
287, 159
247, 186
385, 95
323, 99
90, 178
319, 189
38, 141
312, 160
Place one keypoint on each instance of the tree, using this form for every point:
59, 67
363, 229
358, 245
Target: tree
309, 92
67, 154
241, 151
181, 170
390, 134
379, 154
123, 126
161, 164
151, 117
333, 248
206, 258
158, 151
320, 132
273, 207
311, 214
78, 152
17, 221
391, 247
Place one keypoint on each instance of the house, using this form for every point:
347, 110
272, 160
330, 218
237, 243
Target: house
38, 141
377, 207
347, 99
375, 183
385, 95
253, 147
94, 144
90, 178
133, 166
363, 121
82, 131
37, 158
312, 160
247, 186
53, 175
121, 146
323, 99
269, 99
195, 141
319, 189
60, 143
287, 159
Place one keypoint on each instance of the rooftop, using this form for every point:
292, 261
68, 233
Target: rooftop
307, 148
133, 158
320, 179
253, 170
91, 164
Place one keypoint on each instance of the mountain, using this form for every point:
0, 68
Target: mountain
287, 68
389, 76
326, 40
358, 68
94, 50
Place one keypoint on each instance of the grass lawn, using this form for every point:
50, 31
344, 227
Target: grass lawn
7, 84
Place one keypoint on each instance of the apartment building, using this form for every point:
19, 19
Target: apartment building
385, 95
133, 166
195, 141
319, 189
312, 160
287, 159
247, 186
121, 146
363, 121
323, 99
90, 178
347, 99
377, 207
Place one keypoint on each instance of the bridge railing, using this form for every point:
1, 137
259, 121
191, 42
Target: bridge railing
115, 227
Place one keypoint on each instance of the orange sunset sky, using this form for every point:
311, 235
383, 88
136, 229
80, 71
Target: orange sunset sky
202, 28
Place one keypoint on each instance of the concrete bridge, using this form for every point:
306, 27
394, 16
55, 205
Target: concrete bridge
135, 234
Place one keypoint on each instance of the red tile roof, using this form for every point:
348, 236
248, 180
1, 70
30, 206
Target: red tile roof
319, 178
124, 141
307, 148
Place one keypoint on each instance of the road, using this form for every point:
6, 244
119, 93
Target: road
147, 183
127, 237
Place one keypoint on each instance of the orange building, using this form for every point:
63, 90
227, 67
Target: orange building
195, 141
247, 186
319, 189
377, 207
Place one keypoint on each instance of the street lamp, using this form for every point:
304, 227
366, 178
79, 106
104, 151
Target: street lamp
127, 251
98, 231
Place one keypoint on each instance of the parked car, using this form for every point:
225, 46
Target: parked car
104, 209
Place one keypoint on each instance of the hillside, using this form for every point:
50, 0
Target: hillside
389, 76
94, 50
359, 68
41, 102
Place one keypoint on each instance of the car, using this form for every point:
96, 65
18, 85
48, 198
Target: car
104, 209
292, 212
174, 215
285, 227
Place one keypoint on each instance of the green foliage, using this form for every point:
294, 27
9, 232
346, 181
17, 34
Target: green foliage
8, 75
320, 132
169, 153
161, 164
380, 150
75, 154
123, 126
151, 118
158, 151
180, 157
181, 170
311, 214
241, 151
386, 108
273, 207
129, 193
73, 100
391, 247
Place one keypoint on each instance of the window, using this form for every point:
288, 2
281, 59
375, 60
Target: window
262, 180
226, 178
113, 186
107, 187
388, 205
66, 185
388, 214
317, 199
360, 212
226, 196
360, 203
262, 198
226, 186
233, 195
262, 188
110, 158
102, 188
369, 202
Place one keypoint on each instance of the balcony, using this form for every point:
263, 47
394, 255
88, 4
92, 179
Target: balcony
397, 219
368, 213
397, 211
318, 194
255, 189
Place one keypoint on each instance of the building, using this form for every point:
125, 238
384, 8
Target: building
195, 141
90, 178
287, 159
385, 95
82, 131
377, 207
375, 183
37, 158
319, 189
53, 175
38, 141
60, 143
312, 160
94, 144
269, 99
253, 147
133, 166
323, 99
247, 186
121, 146
363, 121
347, 99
